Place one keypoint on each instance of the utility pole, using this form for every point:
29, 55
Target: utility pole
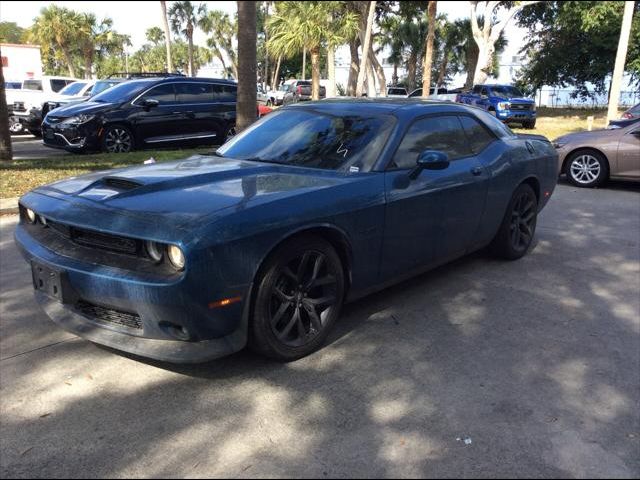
621, 57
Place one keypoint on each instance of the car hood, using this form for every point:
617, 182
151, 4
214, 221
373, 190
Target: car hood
77, 108
180, 194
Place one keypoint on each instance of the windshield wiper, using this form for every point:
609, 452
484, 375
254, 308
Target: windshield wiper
262, 160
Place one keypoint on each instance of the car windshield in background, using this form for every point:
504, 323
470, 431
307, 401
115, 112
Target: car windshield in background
102, 85
122, 92
508, 92
72, 88
308, 138
397, 91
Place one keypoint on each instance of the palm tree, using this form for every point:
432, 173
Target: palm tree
246, 109
184, 17
167, 35
94, 38
366, 46
155, 35
298, 26
57, 28
222, 30
428, 57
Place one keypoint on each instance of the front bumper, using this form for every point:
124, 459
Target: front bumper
160, 305
74, 138
516, 116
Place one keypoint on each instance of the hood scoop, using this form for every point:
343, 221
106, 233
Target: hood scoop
108, 187
121, 184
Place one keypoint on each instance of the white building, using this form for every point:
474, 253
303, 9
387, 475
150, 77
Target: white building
20, 62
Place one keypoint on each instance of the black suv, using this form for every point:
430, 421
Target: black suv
146, 112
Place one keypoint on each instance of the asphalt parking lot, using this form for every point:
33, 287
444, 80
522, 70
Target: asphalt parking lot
29, 146
481, 368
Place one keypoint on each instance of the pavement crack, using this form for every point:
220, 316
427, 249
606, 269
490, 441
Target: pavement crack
36, 349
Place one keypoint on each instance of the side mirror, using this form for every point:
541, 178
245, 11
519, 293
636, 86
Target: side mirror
429, 160
150, 103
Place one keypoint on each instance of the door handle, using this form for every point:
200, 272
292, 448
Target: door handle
476, 171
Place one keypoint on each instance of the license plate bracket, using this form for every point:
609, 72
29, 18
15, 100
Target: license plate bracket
50, 281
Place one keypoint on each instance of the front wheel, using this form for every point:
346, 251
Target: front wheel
529, 124
117, 139
518, 225
299, 296
587, 169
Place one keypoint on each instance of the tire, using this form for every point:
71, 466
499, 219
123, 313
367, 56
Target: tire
518, 226
529, 125
269, 103
229, 133
117, 139
279, 328
586, 168
35, 133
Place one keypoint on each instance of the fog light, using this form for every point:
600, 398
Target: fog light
176, 257
154, 250
43, 220
31, 216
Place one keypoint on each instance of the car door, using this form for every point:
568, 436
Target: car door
434, 217
196, 102
160, 124
628, 164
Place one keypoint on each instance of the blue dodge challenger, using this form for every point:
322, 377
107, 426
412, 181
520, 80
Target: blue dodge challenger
261, 242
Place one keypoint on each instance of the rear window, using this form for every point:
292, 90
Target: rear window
396, 91
479, 137
58, 84
32, 85
225, 93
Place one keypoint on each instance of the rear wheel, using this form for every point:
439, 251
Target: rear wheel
518, 225
299, 296
586, 168
117, 139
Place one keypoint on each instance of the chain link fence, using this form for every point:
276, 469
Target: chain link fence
562, 98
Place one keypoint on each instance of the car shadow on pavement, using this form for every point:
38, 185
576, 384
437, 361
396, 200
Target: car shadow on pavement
479, 368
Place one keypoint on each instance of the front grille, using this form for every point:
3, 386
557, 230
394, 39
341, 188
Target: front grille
109, 315
19, 107
519, 106
90, 238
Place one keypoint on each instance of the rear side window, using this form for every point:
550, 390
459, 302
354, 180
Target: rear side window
495, 125
162, 93
32, 85
59, 84
432, 133
194, 92
479, 137
225, 93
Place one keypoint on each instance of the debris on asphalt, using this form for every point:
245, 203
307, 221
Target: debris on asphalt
26, 451
466, 440
150, 161
45, 415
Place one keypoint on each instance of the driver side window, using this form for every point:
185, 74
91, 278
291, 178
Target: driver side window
443, 133
165, 94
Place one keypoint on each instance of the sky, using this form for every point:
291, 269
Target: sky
134, 18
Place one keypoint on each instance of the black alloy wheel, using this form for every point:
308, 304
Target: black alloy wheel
518, 227
117, 140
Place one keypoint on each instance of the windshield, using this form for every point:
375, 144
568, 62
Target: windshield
309, 138
72, 88
121, 92
102, 85
397, 91
32, 85
504, 91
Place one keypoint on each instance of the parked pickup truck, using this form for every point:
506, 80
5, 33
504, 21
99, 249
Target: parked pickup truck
300, 90
504, 101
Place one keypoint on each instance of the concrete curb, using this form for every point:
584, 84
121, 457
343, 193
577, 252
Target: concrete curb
8, 206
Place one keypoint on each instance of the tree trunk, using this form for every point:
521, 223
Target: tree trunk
6, 153
167, 35
382, 79
88, 64
485, 62
621, 56
190, 49
354, 68
412, 63
331, 72
472, 61
394, 77
276, 74
428, 57
366, 45
69, 60
246, 108
442, 73
315, 74
304, 63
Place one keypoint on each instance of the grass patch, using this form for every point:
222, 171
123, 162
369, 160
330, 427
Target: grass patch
20, 176
555, 122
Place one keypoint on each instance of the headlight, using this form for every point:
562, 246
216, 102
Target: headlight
43, 220
154, 250
78, 119
31, 215
533, 107
504, 106
176, 257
